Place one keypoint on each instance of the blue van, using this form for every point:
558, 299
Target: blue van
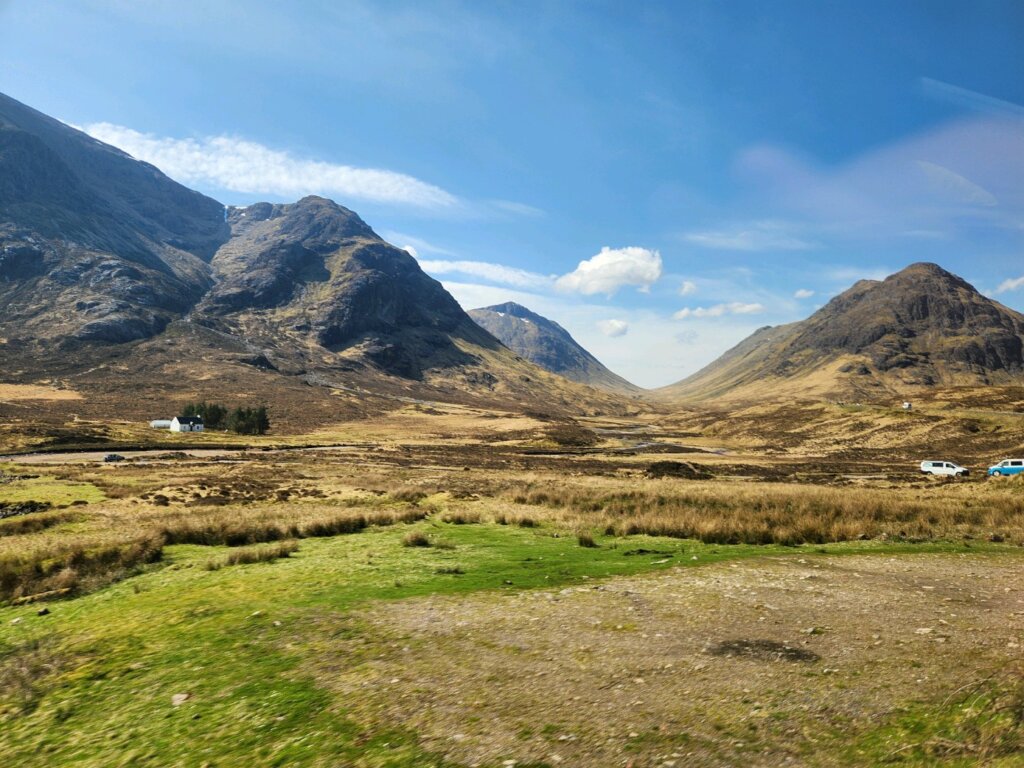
1007, 467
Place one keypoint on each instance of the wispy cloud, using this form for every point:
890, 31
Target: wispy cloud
517, 209
952, 184
803, 293
962, 97
614, 268
718, 310
688, 288
943, 182
846, 276
613, 328
752, 236
239, 165
1013, 284
497, 273
415, 245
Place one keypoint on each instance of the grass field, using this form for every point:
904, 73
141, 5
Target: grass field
410, 604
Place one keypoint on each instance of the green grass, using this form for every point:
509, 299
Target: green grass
91, 683
49, 489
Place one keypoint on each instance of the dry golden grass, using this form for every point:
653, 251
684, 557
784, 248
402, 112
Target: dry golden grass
719, 512
16, 392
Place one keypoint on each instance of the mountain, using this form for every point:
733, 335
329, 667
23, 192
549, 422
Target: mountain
918, 329
547, 344
94, 245
116, 279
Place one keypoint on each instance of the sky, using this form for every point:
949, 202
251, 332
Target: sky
659, 178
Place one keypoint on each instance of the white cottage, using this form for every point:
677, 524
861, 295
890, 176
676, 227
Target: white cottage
187, 424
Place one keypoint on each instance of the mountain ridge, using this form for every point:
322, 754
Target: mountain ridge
920, 327
108, 265
546, 343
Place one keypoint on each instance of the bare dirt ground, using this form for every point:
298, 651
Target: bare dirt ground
774, 661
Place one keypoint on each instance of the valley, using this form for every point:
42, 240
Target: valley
451, 585
463, 541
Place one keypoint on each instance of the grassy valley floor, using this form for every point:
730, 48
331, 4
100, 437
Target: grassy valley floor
482, 599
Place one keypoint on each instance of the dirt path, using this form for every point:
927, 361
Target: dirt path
766, 662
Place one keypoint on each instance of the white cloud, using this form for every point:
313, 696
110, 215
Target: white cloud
718, 310
1012, 284
803, 293
688, 288
411, 250
497, 273
613, 328
612, 269
232, 163
753, 236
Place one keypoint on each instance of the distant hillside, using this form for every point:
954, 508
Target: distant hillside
116, 279
920, 328
547, 344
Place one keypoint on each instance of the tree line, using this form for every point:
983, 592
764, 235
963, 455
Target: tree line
243, 420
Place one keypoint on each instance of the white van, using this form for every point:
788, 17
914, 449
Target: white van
947, 468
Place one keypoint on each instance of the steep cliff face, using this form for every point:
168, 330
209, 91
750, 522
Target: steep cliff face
94, 245
314, 273
921, 327
549, 345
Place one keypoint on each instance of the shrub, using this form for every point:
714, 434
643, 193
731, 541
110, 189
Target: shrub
586, 540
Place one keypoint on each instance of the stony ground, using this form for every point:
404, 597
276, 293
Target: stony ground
773, 661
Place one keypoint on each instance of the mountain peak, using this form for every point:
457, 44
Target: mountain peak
922, 326
546, 343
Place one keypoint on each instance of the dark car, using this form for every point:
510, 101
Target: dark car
110, 457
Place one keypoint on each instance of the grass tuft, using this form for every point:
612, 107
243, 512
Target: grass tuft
256, 554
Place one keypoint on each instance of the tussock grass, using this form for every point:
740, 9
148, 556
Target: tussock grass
261, 553
416, 539
461, 517
734, 513
274, 525
60, 567
17, 526
39, 563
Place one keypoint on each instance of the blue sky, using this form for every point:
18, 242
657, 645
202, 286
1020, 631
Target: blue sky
660, 178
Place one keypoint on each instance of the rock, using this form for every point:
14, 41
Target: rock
180, 698
43, 612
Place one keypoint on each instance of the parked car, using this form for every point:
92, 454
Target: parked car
1007, 467
110, 457
947, 468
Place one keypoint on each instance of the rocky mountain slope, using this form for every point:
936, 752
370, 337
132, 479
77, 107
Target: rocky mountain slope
918, 329
94, 245
547, 344
112, 272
